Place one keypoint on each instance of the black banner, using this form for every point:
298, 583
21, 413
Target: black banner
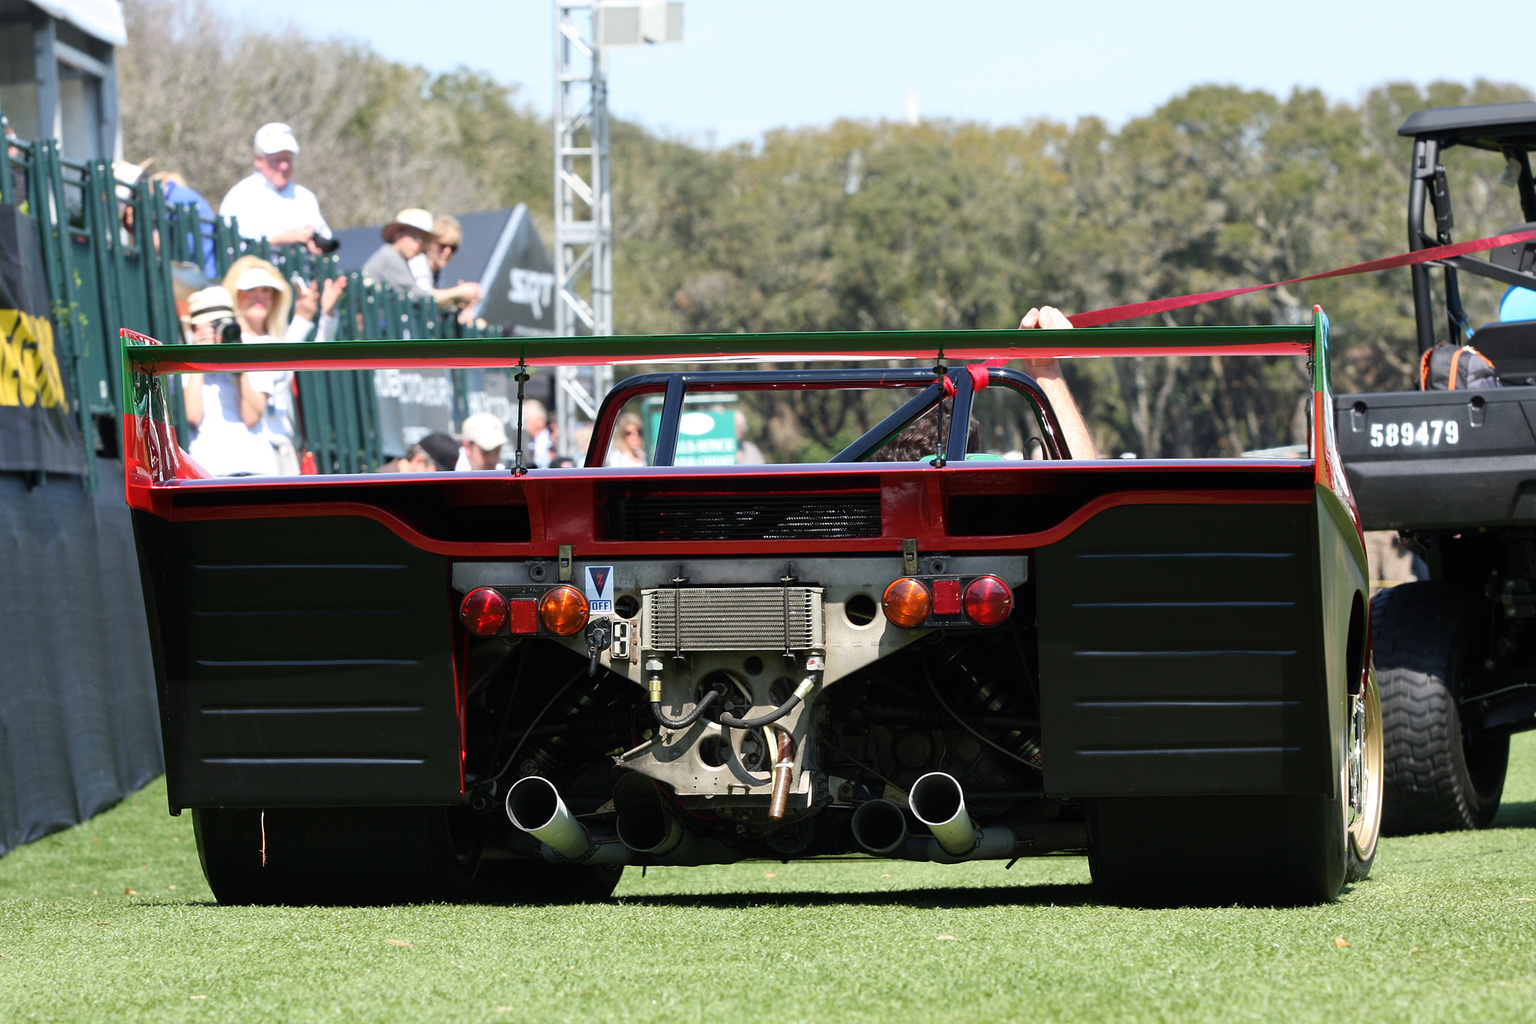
36, 431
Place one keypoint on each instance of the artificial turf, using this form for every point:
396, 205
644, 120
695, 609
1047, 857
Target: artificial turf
111, 921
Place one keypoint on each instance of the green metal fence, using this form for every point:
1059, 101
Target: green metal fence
100, 281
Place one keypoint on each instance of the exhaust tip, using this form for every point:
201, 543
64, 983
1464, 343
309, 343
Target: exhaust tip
938, 801
879, 827
533, 803
645, 826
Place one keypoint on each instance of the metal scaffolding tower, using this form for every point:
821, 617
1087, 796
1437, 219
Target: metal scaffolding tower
583, 213
584, 29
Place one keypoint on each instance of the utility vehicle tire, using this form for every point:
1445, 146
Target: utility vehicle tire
1438, 778
1215, 851
337, 855
539, 882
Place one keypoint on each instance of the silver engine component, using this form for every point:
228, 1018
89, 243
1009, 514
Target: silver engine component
678, 620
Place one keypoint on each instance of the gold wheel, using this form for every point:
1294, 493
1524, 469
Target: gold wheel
1362, 781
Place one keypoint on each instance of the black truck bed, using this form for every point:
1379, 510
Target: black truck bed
1435, 460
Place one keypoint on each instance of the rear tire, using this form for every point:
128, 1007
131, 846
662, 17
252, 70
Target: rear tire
1214, 851
1438, 777
1362, 778
337, 855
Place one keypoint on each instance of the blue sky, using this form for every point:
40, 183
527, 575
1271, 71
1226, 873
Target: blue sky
747, 66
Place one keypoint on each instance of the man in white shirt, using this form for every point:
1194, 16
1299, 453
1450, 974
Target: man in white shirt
268, 204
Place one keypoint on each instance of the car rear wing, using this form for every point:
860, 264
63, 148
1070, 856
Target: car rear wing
153, 457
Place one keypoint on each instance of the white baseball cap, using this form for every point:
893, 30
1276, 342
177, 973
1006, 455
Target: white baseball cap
127, 176
257, 277
275, 137
486, 430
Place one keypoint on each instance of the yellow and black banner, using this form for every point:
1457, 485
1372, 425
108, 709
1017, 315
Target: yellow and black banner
37, 431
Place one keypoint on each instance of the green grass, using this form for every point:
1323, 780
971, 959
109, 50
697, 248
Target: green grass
1445, 930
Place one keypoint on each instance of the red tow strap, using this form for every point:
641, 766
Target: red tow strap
1138, 309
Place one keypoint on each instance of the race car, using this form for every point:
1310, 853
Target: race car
948, 638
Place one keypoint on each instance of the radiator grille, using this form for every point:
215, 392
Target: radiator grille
749, 517
732, 619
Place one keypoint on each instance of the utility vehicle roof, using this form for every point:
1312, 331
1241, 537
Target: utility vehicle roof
1494, 126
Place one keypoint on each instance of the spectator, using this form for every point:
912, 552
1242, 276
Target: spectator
268, 204
537, 428
262, 301
747, 453
177, 193
447, 237
312, 300
628, 447
443, 449
405, 238
484, 435
416, 460
1047, 373
223, 409
127, 176
18, 174
173, 188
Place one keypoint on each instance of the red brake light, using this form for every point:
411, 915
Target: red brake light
563, 611
906, 603
483, 611
988, 601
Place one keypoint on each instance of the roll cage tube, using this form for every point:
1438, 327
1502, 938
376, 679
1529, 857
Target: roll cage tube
1429, 193
675, 387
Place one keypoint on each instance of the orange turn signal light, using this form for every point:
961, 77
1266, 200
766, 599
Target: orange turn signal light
907, 603
563, 611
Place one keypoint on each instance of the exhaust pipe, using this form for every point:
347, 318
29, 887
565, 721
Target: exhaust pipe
879, 827
938, 802
646, 826
534, 805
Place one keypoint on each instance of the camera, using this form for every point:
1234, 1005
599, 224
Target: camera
326, 245
226, 331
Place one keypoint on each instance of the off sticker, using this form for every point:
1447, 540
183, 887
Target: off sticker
600, 589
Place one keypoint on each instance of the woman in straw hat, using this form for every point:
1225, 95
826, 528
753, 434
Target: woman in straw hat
223, 409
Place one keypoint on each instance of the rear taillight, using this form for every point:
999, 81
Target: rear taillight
987, 600
483, 611
906, 603
563, 611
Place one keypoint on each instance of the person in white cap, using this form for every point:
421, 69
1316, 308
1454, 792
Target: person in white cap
405, 238
482, 438
223, 409
268, 204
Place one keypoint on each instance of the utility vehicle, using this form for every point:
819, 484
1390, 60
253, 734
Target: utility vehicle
1454, 471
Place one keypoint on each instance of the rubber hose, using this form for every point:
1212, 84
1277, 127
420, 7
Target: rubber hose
691, 717
762, 720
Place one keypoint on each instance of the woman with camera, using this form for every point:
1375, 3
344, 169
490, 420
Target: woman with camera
223, 409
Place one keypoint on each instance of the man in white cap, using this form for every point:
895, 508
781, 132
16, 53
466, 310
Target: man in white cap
483, 435
405, 238
268, 204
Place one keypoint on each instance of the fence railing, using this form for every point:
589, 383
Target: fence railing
100, 279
